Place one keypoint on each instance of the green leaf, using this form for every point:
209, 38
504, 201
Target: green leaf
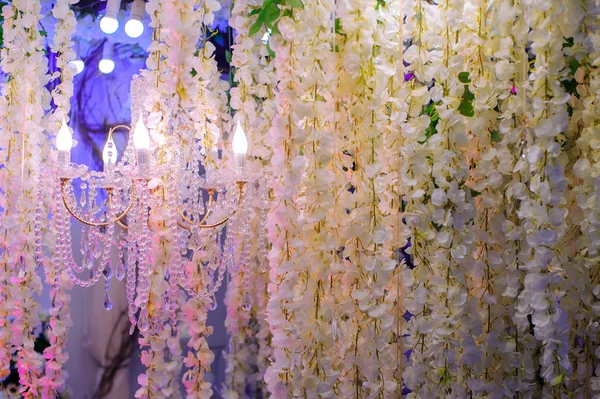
194, 72
380, 3
574, 65
338, 27
255, 28
569, 42
468, 95
270, 14
495, 135
255, 11
466, 109
474, 193
464, 77
271, 52
436, 226
557, 380
228, 55
295, 3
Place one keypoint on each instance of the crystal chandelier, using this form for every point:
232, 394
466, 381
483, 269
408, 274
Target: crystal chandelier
151, 198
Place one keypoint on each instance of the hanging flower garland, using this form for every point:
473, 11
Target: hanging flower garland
586, 190
368, 228
283, 215
24, 60
59, 279
542, 213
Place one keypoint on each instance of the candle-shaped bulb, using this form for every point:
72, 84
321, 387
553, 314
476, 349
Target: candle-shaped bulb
64, 138
239, 143
141, 137
109, 154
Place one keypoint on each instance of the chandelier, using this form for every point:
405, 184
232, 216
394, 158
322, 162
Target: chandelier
155, 200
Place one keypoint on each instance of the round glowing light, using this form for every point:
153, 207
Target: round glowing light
64, 138
141, 137
79, 65
134, 28
239, 143
109, 25
106, 66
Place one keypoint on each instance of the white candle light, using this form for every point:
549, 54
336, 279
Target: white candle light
109, 154
64, 143
239, 145
141, 142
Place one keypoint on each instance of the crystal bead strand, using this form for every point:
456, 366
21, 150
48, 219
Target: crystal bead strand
37, 227
144, 263
176, 260
132, 257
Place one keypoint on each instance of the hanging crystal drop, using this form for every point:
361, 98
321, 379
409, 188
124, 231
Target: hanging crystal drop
83, 247
143, 320
247, 304
108, 304
89, 260
334, 329
120, 272
214, 303
91, 275
97, 247
108, 271
21, 268
82, 199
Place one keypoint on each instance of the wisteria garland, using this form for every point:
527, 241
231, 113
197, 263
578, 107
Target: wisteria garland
24, 102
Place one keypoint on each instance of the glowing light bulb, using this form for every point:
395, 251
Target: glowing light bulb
239, 143
64, 138
109, 154
109, 25
141, 137
106, 64
78, 64
134, 27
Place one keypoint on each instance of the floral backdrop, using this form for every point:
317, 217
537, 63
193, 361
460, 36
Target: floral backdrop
427, 224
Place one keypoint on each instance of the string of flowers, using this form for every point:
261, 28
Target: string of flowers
367, 251
586, 191
59, 279
415, 172
393, 112
542, 213
22, 131
287, 166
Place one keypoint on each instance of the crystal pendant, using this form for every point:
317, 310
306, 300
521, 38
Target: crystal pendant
247, 304
108, 304
143, 320
120, 272
21, 268
82, 198
97, 246
108, 271
213, 303
91, 274
83, 247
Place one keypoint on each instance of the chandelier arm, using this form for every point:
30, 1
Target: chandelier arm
240, 185
211, 192
63, 184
